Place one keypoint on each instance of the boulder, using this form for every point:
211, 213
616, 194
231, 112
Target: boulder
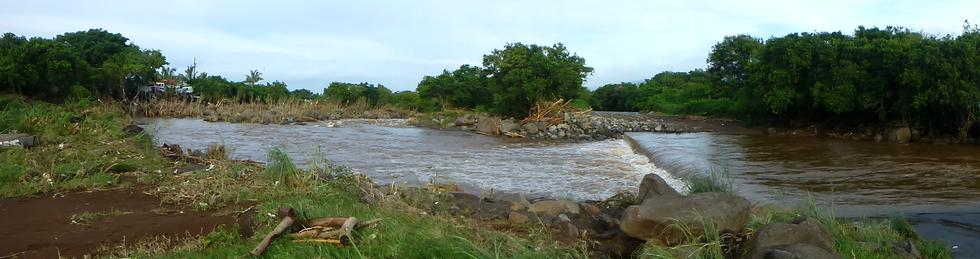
779, 238
654, 187
798, 251
542, 125
906, 250
487, 125
464, 120
590, 209
553, 208
132, 129
899, 135
17, 140
530, 128
469, 205
659, 219
509, 125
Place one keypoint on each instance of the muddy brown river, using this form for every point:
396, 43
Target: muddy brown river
936, 186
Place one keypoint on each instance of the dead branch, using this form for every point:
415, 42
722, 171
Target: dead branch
288, 220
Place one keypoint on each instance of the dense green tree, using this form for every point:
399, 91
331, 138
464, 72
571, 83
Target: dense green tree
303, 94
465, 87
349, 93
521, 75
616, 97
730, 62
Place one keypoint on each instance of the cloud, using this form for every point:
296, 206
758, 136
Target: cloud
396, 43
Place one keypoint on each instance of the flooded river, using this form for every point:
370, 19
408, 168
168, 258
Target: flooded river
936, 186
387, 151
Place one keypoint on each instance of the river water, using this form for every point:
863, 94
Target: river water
936, 186
388, 151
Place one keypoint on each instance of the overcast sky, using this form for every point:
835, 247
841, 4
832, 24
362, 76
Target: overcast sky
396, 43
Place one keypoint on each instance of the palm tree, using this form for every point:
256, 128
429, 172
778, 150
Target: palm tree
253, 77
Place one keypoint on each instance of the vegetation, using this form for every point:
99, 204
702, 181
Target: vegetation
861, 238
511, 81
76, 63
82, 146
877, 76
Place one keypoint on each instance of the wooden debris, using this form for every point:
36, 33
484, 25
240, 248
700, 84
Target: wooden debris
288, 216
321, 241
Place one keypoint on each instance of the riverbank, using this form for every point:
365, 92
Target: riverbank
283, 112
422, 221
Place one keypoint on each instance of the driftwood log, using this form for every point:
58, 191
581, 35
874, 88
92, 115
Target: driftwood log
331, 230
289, 219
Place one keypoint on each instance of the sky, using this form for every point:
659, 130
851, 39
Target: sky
309, 44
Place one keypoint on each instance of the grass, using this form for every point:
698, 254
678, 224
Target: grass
82, 145
710, 182
329, 190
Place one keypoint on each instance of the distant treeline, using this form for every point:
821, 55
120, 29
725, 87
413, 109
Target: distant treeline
77, 63
875, 77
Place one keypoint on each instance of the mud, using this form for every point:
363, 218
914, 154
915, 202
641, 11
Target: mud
41, 227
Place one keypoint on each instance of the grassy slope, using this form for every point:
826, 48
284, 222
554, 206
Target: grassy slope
89, 154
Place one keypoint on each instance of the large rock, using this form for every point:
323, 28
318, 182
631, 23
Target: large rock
899, 135
798, 251
17, 140
487, 125
667, 219
788, 240
530, 128
553, 208
469, 205
509, 125
465, 120
654, 187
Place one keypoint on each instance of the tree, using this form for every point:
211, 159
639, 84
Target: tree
730, 62
465, 87
616, 97
521, 75
253, 77
191, 73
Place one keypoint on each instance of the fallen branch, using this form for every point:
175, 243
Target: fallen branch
288, 219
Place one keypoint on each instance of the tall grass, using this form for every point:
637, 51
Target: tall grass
280, 168
712, 181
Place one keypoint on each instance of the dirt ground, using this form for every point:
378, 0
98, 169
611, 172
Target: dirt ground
42, 227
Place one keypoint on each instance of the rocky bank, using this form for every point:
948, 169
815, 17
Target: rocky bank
575, 126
